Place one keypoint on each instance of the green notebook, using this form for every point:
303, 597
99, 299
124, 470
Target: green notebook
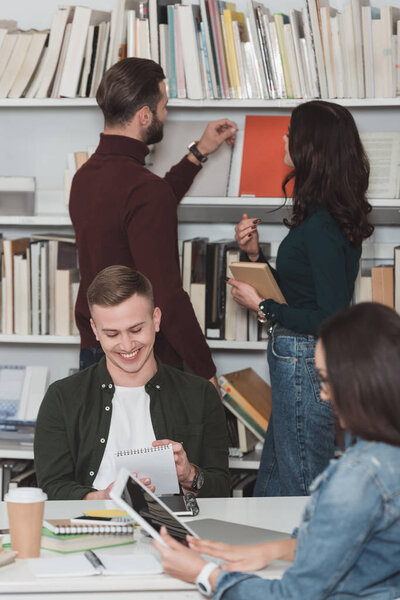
82, 541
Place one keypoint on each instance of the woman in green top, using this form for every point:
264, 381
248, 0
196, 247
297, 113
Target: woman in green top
316, 267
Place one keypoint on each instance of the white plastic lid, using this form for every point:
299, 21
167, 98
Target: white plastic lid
25, 495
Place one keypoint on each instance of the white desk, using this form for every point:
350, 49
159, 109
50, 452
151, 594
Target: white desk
17, 582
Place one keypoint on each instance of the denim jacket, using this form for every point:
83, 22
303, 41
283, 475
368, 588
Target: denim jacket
348, 543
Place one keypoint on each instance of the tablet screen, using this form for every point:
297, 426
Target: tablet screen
153, 511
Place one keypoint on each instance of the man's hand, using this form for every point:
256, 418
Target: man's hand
245, 294
184, 469
246, 235
105, 494
215, 134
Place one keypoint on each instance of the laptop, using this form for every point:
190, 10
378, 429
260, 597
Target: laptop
151, 513
21, 392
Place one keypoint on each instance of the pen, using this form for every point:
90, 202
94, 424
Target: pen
95, 561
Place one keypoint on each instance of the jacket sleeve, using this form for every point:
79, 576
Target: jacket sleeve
215, 447
180, 177
328, 265
152, 232
54, 462
329, 544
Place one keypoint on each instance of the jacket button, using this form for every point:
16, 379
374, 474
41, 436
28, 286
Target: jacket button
102, 441
110, 385
107, 408
103, 385
91, 473
158, 387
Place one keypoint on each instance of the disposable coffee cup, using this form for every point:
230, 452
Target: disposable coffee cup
25, 508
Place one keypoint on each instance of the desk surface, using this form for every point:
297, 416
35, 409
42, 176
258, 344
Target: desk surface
17, 582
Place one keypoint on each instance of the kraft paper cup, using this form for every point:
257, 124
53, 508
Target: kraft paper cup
25, 508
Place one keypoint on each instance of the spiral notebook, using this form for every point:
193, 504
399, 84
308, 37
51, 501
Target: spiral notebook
156, 462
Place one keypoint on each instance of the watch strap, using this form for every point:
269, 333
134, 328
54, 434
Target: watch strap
196, 152
202, 581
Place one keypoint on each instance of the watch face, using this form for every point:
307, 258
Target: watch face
198, 480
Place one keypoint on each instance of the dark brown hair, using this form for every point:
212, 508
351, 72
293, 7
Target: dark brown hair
331, 168
362, 351
128, 86
115, 284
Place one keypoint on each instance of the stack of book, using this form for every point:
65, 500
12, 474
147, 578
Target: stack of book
63, 535
210, 50
248, 398
39, 285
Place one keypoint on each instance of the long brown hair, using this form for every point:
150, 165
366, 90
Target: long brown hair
331, 168
362, 350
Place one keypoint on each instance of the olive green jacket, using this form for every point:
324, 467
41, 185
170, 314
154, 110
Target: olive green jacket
74, 421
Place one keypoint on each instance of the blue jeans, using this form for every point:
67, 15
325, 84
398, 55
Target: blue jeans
300, 439
89, 357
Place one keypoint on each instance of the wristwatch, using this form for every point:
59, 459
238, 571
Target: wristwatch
198, 479
202, 580
196, 152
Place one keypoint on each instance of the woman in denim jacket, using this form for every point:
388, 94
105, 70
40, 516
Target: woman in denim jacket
348, 543
316, 267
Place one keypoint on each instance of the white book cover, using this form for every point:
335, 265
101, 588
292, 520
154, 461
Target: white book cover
143, 38
31, 90
130, 33
191, 62
86, 62
378, 58
61, 18
179, 64
153, 29
253, 37
99, 63
207, 35
6, 50
356, 6
312, 65
306, 63
21, 297
44, 288
383, 150
281, 85
280, 32
296, 25
232, 308
389, 17
55, 88
30, 64
298, 91
266, 19
350, 52
238, 51
203, 68
34, 250
15, 63
337, 56
254, 89
83, 17
313, 7
366, 29
326, 14
116, 31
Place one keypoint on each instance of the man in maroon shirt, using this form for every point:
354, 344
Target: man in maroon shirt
125, 215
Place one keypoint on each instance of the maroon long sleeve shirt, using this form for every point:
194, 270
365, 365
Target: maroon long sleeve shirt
125, 215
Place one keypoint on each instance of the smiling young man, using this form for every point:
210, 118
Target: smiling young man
128, 400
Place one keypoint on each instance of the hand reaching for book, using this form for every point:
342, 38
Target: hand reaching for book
245, 294
246, 235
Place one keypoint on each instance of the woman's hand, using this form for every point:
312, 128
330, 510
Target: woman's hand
245, 294
245, 558
177, 560
246, 235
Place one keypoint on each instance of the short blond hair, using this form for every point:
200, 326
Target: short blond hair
117, 283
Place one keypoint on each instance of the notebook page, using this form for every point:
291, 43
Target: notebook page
156, 462
79, 566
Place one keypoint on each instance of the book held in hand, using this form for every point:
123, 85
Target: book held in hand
258, 275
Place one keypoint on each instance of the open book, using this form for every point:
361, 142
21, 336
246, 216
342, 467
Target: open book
79, 565
260, 276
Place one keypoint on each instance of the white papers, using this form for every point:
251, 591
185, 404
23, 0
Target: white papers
156, 462
79, 565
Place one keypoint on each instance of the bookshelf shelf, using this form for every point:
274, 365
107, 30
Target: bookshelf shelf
9, 449
184, 103
248, 461
75, 340
37, 220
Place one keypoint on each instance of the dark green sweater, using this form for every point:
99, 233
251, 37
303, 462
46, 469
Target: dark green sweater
316, 268
74, 422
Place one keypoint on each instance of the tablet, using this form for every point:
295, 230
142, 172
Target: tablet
149, 511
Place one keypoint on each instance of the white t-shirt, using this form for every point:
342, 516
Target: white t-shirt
130, 427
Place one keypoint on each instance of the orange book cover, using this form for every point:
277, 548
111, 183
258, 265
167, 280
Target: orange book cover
263, 169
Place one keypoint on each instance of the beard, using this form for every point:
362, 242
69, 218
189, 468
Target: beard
154, 132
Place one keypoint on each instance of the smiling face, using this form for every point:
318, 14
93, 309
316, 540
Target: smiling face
127, 333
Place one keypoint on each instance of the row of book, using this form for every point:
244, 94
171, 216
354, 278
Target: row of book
382, 284
210, 50
205, 266
39, 285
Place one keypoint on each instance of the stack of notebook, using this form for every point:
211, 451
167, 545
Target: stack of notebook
62, 535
